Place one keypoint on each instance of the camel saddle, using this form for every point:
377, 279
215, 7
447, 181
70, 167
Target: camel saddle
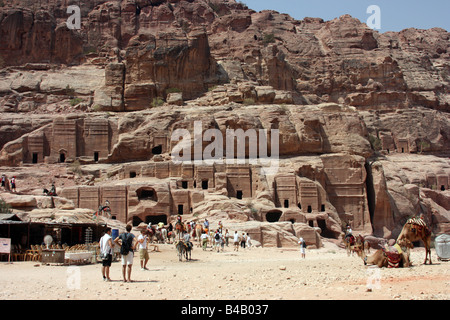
394, 255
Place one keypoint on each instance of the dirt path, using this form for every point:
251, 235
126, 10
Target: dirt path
256, 273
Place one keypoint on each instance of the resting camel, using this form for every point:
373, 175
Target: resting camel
389, 257
415, 229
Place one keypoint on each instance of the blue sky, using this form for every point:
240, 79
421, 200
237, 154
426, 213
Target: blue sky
396, 15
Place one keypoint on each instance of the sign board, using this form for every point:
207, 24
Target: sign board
5, 245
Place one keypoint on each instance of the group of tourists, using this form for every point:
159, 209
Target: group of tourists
127, 244
8, 185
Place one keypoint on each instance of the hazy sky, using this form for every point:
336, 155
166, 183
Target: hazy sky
396, 15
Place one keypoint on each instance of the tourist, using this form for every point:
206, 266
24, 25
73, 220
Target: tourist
218, 240
143, 252
249, 242
227, 235
204, 237
13, 184
302, 244
206, 225
106, 251
243, 240
125, 240
3, 181
236, 241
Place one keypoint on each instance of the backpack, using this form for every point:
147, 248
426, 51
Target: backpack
127, 241
304, 244
217, 236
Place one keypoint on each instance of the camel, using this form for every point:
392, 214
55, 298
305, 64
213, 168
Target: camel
198, 233
389, 257
415, 229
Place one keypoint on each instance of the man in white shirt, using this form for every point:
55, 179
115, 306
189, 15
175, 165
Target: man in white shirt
106, 251
143, 252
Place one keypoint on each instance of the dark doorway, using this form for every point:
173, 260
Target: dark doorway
286, 203
273, 216
157, 149
323, 226
322, 208
180, 209
309, 209
239, 194
62, 157
156, 219
299, 205
146, 194
35, 158
132, 174
311, 223
205, 184
136, 221
442, 188
184, 184
96, 156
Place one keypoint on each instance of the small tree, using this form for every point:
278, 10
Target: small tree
4, 207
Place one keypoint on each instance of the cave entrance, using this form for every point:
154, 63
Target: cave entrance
62, 157
239, 194
146, 194
136, 221
273, 215
157, 149
156, 219
35, 158
322, 224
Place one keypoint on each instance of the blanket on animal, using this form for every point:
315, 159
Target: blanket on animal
394, 255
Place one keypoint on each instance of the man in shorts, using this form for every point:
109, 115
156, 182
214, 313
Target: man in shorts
143, 252
106, 250
126, 241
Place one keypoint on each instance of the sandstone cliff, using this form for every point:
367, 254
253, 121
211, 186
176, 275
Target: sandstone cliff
364, 130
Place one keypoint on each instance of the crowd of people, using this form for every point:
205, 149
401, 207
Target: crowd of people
218, 239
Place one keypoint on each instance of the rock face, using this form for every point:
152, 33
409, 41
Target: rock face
362, 117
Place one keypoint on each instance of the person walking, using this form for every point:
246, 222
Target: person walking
3, 181
204, 237
243, 240
227, 236
249, 242
126, 241
13, 184
236, 241
302, 244
143, 252
106, 250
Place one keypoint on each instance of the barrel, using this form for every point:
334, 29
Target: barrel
114, 233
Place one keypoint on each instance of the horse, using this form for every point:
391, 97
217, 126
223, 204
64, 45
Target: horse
362, 244
183, 249
350, 244
415, 229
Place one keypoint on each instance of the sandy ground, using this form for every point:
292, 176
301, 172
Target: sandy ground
251, 274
